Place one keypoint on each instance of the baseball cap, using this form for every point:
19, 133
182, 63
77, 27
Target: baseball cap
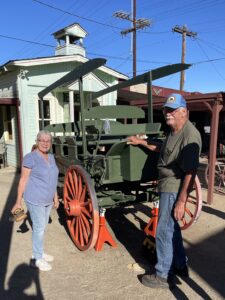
175, 101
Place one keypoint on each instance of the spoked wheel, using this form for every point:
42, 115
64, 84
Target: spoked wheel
81, 207
219, 182
193, 206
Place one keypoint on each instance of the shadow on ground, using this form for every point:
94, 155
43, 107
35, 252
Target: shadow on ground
22, 276
206, 258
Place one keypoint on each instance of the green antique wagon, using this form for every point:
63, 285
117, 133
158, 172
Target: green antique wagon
98, 168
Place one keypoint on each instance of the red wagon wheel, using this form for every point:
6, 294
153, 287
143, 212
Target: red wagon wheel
219, 179
81, 207
193, 206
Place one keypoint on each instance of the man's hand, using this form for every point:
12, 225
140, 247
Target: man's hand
179, 210
133, 140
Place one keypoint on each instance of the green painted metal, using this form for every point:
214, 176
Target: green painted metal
84, 144
143, 78
128, 163
114, 112
149, 95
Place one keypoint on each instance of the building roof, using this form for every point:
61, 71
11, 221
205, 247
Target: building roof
73, 30
195, 101
13, 64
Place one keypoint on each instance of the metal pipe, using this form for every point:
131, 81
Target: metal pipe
82, 111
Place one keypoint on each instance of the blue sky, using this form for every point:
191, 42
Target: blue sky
157, 45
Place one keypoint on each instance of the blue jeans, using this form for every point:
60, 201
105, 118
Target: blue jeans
39, 217
169, 243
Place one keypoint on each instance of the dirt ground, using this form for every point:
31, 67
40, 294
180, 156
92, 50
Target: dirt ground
107, 274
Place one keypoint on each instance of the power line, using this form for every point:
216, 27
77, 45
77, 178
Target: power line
77, 16
208, 61
91, 20
26, 41
90, 53
214, 46
221, 76
120, 58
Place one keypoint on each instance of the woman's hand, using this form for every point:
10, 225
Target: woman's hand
21, 188
16, 206
56, 201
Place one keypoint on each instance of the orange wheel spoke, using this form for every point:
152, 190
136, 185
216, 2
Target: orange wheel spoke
76, 229
191, 197
68, 198
69, 188
187, 210
73, 222
79, 187
85, 220
83, 194
84, 230
72, 187
81, 239
191, 201
86, 203
75, 179
183, 221
86, 212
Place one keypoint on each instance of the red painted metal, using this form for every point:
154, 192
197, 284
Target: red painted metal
104, 235
150, 228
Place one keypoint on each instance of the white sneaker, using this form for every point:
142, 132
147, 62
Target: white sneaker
42, 265
48, 257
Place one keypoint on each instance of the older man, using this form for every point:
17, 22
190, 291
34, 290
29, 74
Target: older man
177, 166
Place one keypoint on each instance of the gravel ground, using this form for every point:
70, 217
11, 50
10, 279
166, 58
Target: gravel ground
107, 274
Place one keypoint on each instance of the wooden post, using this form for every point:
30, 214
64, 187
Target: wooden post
217, 106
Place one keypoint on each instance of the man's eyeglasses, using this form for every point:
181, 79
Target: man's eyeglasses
169, 110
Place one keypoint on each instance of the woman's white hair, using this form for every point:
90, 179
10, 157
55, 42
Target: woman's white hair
44, 132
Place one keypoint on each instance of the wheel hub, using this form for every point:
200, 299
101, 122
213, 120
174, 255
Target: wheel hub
73, 208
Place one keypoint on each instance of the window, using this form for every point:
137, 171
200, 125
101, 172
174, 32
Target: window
46, 107
66, 108
8, 119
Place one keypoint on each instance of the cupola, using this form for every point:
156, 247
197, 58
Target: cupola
70, 40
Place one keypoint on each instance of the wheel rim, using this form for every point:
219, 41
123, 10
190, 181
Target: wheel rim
193, 206
81, 208
219, 180
219, 184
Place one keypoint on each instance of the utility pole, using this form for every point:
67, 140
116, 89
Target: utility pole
185, 32
136, 25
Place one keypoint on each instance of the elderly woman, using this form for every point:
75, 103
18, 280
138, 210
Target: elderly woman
38, 187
